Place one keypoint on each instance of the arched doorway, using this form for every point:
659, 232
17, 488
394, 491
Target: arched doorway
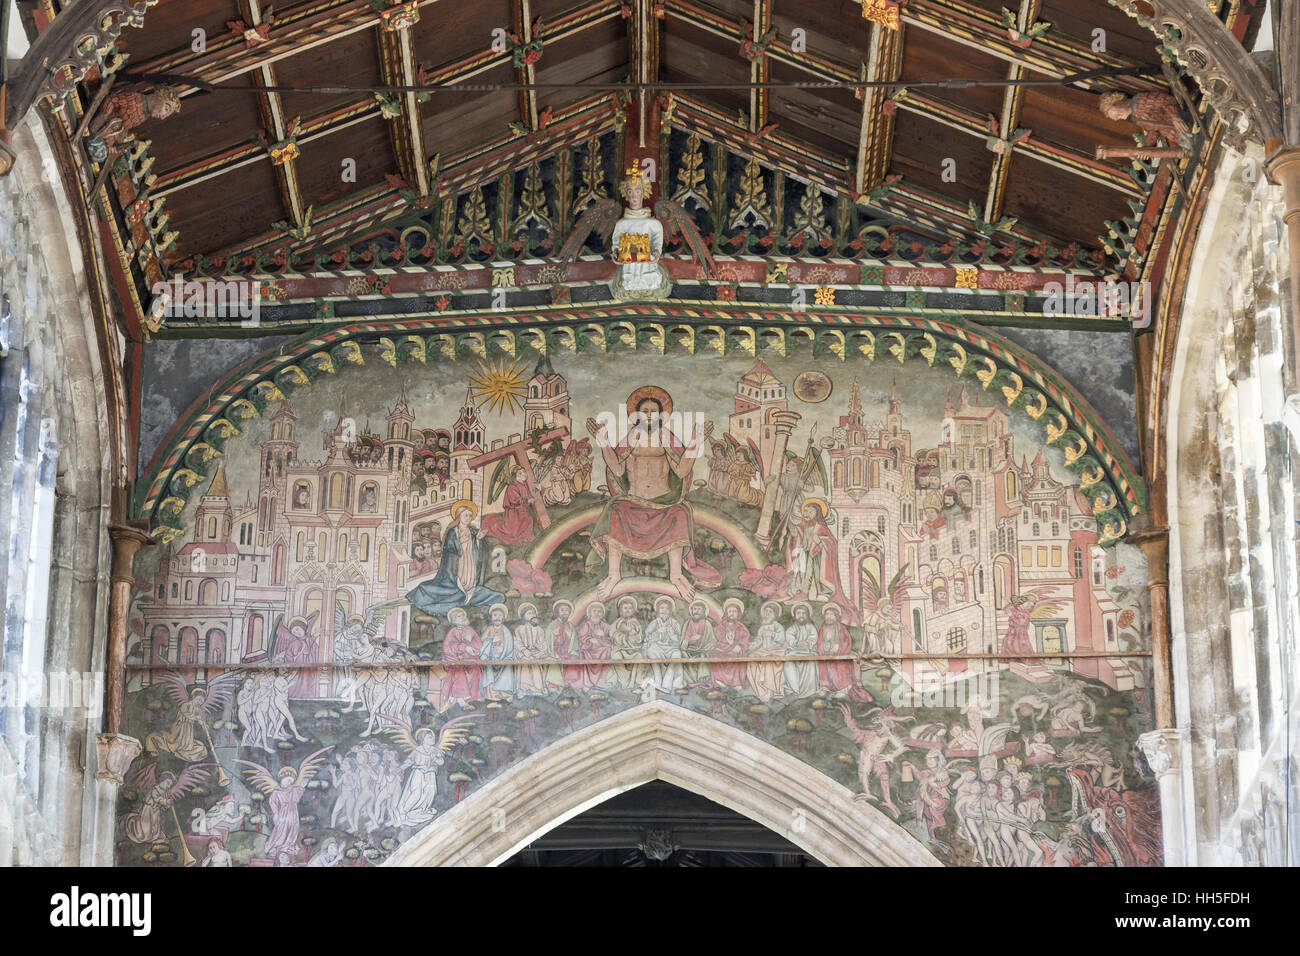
660, 825
661, 741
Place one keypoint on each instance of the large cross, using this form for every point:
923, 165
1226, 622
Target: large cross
519, 451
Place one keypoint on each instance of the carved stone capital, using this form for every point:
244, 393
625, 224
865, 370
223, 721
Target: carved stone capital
1162, 749
116, 754
127, 540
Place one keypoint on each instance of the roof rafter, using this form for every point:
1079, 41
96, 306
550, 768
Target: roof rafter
378, 205
916, 101
876, 134
1005, 132
1052, 54
275, 124
397, 56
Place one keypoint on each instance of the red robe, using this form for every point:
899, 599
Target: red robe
595, 642
462, 644
733, 641
835, 675
827, 552
515, 524
1017, 638
574, 674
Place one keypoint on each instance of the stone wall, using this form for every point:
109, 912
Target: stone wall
54, 451
1233, 575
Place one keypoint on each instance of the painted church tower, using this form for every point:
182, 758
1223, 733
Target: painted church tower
547, 405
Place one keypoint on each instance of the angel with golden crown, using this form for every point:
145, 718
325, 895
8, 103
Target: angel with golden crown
636, 238
637, 243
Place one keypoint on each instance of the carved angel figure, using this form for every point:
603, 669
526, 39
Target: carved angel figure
1156, 113
425, 754
636, 239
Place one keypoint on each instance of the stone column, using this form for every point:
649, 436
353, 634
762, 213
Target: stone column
1154, 543
1162, 749
115, 751
785, 423
1283, 169
127, 540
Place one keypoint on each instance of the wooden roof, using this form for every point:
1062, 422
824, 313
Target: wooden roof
223, 190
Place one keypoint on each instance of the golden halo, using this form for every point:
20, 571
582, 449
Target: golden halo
672, 605
499, 606
526, 606
819, 502
730, 602
559, 604
650, 391
464, 503
775, 606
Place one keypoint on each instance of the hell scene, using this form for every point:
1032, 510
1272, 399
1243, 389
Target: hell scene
394, 585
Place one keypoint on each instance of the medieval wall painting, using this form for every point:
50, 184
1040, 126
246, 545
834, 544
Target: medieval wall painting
398, 582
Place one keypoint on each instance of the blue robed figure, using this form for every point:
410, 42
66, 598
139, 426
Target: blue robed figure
459, 581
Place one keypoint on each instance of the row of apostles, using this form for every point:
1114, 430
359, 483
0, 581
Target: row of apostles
652, 649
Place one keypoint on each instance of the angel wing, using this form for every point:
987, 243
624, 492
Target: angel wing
898, 588
259, 778
145, 777
399, 733
187, 780
600, 218
870, 591
1042, 607
177, 689
219, 690
454, 732
501, 478
677, 220
308, 768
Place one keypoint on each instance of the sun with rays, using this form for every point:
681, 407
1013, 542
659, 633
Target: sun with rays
498, 386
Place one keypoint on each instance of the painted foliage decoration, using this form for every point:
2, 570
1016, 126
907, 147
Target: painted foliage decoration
391, 585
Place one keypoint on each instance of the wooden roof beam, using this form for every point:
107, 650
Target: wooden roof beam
1052, 54
1063, 157
377, 205
527, 73
227, 160
876, 134
397, 58
760, 70
1012, 99
275, 124
643, 50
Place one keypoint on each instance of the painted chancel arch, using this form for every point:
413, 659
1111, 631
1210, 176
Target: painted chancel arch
436, 596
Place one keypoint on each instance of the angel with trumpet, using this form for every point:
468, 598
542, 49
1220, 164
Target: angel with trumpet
426, 752
193, 706
161, 791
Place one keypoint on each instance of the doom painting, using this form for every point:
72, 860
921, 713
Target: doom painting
396, 584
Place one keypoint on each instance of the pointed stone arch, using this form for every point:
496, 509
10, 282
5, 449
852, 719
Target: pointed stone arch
662, 741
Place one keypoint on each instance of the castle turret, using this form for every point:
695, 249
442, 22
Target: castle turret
547, 404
